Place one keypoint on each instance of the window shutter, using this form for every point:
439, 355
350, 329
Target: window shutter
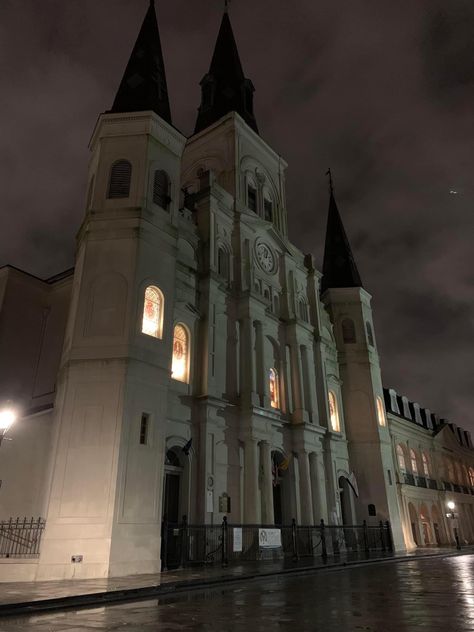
161, 183
120, 176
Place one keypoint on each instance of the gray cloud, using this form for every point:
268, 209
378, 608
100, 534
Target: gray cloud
380, 91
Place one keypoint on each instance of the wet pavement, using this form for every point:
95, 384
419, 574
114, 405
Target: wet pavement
430, 594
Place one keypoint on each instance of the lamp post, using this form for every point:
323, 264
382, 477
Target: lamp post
8, 417
452, 516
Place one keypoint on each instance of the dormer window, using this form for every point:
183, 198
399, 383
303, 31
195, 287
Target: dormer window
252, 198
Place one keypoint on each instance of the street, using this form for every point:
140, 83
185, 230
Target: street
430, 594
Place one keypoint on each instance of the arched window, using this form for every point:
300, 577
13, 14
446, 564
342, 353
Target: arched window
303, 310
223, 263
426, 468
152, 323
180, 364
401, 459
334, 412
252, 196
120, 177
267, 209
348, 330
381, 412
414, 466
471, 476
276, 305
161, 189
370, 335
274, 389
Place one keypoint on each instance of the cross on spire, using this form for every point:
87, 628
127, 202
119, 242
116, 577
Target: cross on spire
226, 5
331, 187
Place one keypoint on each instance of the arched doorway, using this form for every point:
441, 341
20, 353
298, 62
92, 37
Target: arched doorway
346, 498
426, 525
280, 481
415, 531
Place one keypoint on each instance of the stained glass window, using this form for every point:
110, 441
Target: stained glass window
152, 312
179, 367
333, 412
380, 412
274, 389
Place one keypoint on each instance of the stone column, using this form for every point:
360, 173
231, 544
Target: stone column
318, 487
306, 500
251, 500
266, 483
247, 363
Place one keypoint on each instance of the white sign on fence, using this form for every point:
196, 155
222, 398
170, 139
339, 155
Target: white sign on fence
237, 539
269, 538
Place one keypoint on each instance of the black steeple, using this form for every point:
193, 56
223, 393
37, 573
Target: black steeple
225, 88
339, 267
143, 86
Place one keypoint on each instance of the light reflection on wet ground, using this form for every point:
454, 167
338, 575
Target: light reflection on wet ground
430, 594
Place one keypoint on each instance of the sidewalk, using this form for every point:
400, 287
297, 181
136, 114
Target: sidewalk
30, 597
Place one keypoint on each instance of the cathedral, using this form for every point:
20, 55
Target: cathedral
195, 362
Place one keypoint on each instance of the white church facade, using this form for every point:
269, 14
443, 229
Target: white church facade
196, 363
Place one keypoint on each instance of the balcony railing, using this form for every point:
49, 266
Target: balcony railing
432, 484
408, 478
421, 481
457, 488
447, 486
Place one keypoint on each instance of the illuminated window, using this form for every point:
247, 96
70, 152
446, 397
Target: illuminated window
153, 312
414, 466
179, 367
333, 412
274, 389
401, 458
381, 412
471, 476
120, 176
426, 468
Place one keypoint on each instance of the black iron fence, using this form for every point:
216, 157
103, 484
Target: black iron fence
186, 544
21, 537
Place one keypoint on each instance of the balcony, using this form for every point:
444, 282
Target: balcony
457, 488
432, 484
447, 486
408, 479
420, 481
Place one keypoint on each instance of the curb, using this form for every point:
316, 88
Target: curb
149, 592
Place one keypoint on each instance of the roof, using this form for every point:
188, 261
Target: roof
143, 86
225, 87
339, 266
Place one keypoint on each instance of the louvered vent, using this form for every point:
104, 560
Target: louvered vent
161, 185
120, 176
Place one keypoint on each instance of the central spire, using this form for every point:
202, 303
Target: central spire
225, 88
143, 86
339, 266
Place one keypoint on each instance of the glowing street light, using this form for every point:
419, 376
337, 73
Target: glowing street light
452, 506
8, 417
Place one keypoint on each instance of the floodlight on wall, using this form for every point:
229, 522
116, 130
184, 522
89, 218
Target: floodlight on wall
8, 416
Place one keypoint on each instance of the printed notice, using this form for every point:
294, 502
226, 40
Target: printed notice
269, 538
237, 539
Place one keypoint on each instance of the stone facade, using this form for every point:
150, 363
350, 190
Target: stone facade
191, 364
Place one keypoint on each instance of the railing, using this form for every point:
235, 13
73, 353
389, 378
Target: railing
21, 538
186, 544
421, 481
408, 478
447, 486
432, 483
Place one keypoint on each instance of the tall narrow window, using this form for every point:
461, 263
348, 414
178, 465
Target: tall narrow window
180, 364
303, 310
414, 465
381, 412
268, 210
274, 389
401, 459
120, 177
144, 429
161, 189
370, 334
252, 198
223, 263
152, 322
348, 330
426, 469
334, 412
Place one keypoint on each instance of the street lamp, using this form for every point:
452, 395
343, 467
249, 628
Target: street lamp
450, 514
8, 417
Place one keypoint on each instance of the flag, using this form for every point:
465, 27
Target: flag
187, 447
284, 464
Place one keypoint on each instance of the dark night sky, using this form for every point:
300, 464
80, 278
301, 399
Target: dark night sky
381, 91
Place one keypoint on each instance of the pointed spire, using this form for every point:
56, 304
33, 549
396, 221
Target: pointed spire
143, 86
225, 88
339, 267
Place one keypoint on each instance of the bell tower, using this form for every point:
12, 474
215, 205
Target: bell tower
349, 306
107, 464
